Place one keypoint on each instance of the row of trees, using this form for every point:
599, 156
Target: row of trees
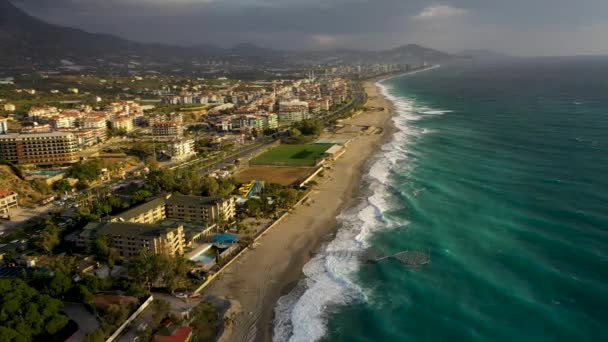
188, 183
273, 198
307, 127
86, 172
149, 270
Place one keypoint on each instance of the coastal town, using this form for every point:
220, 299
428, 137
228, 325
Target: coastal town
134, 202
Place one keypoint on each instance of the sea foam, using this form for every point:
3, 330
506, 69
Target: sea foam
329, 276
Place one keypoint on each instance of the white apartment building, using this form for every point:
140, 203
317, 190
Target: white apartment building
293, 111
180, 149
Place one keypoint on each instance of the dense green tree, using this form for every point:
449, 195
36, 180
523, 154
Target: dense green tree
188, 183
86, 172
288, 197
210, 187
104, 253
59, 285
116, 203
148, 269
142, 270
49, 238
141, 195
62, 186
141, 150
26, 313
10, 335
309, 127
66, 264
97, 335
176, 277
205, 322
294, 132
253, 207
115, 315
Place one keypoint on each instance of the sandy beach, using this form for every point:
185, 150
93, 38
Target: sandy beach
273, 266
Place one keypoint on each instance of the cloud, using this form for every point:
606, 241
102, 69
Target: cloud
440, 11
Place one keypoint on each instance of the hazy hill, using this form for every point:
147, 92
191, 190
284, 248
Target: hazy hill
26, 41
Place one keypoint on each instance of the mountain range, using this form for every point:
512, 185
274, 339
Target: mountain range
28, 42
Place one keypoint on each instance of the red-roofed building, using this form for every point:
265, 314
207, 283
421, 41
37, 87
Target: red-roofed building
173, 334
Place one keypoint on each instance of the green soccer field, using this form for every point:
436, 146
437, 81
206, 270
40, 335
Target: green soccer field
292, 155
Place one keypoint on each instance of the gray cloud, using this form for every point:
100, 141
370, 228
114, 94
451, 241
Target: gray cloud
517, 26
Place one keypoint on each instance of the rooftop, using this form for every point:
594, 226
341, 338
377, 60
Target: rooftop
173, 334
178, 199
140, 209
132, 229
35, 135
4, 192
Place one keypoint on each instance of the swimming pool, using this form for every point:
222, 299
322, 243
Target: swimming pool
205, 257
47, 173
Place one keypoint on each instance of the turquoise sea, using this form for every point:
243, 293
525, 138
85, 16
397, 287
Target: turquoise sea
499, 171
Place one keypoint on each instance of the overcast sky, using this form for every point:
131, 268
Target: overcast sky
519, 27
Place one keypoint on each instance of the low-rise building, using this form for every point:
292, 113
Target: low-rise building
293, 111
147, 213
180, 149
39, 148
90, 136
123, 123
155, 225
129, 239
60, 121
94, 121
259, 121
9, 107
169, 128
200, 209
41, 112
8, 200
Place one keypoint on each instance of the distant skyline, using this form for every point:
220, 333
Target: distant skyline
518, 27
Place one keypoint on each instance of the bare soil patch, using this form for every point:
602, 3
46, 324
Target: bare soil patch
278, 175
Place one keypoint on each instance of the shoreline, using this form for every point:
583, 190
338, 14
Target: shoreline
273, 268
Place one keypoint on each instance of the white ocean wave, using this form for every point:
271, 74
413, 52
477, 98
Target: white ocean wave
436, 112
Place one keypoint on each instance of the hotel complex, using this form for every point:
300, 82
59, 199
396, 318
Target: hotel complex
39, 148
155, 225
130, 238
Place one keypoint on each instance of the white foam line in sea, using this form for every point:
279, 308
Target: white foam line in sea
328, 276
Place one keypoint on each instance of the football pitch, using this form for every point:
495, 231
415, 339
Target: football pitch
292, 155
